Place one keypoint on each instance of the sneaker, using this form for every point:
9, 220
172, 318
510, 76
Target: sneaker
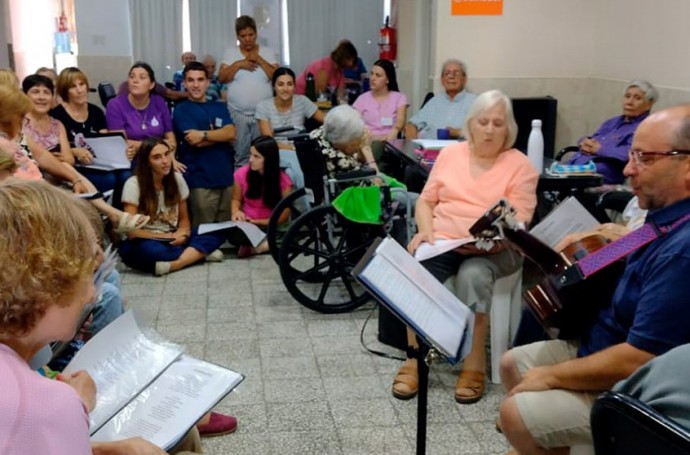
218, 425
215, 256
162, 268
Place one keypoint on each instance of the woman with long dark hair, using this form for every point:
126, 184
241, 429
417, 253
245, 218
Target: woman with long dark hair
286, 108
383, 107
258, 188
167, 243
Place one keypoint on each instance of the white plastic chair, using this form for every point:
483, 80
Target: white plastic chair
506, 308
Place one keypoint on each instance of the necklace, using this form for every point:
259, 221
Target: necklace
142, 112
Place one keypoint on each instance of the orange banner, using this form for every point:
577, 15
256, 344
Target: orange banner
476, 7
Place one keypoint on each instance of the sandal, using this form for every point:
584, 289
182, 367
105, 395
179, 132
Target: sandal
405, 384
129, 223
473, 381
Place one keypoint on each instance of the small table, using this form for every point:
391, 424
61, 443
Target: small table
551, 190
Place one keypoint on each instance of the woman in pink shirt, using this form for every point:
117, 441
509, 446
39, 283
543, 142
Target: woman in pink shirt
383, 107
46, 283
258, 188
328, 71
466, 180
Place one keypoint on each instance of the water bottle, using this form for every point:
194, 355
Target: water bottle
535, 146
310, 90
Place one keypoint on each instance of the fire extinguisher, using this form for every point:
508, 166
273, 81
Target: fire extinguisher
387, 43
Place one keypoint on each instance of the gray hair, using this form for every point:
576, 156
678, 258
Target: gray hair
343, 124
454, 61
483, 103
207, 57
650, 92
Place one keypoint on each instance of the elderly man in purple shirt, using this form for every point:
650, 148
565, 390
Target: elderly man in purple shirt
608, 146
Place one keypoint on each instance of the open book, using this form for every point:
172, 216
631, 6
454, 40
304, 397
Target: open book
404, 286
253, 233
109, 151
145, 386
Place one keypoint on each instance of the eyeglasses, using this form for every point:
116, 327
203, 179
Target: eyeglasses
453, 73
644, 158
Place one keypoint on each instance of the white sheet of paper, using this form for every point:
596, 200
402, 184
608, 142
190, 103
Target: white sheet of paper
568, 217
110, 153
122, 361
172, 404
434, 144
253, 233
426, 250
427, 305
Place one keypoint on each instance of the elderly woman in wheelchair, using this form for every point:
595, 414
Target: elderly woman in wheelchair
467, 179
317, 253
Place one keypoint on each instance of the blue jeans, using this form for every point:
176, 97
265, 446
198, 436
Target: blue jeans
142, 254
110, 305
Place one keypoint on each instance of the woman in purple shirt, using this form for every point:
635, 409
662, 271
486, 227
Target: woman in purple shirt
608, 146
140, 113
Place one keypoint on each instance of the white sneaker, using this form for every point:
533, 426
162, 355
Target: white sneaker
162, 268
215, 256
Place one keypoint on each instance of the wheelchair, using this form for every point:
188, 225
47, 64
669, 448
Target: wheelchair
319, 248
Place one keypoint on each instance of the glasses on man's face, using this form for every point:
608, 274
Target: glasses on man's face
455, 73
645, 158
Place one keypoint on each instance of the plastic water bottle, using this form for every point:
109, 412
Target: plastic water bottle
310, 89
535, 146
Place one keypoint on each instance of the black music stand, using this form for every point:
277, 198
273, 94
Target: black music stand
436, 316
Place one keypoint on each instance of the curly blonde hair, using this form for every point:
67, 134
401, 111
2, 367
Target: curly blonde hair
46, 250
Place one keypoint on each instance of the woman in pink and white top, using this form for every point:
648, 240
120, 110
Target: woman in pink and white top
258, 188
383, 107
329, 71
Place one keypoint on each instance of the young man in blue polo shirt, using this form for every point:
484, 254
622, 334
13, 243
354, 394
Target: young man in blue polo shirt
206, 134
551, 385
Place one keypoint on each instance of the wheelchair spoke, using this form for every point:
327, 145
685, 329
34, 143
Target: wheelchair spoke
324, 287
316, 268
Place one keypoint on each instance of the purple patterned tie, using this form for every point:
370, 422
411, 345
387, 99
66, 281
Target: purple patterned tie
622, 247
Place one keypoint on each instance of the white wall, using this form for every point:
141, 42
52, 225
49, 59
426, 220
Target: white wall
642, 38
533, 38
579, 51
103, 27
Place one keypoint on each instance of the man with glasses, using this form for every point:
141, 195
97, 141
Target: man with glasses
445, 110
552, 384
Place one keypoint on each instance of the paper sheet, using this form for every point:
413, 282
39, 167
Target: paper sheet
109, 153
568, 217
253, 233
412, 292
426, 250
122, 361
433, 144
172, 404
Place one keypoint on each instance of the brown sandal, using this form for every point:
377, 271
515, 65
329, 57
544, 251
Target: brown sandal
472, 380
405, 384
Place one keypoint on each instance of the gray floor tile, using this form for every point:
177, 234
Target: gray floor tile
313, 415
304, 442
310, 387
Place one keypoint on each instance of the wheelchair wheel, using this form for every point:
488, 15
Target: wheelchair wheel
316, 265
274, 232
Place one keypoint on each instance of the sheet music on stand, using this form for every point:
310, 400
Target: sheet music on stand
412, 293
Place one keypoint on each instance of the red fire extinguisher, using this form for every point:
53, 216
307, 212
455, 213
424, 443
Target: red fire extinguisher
387, 43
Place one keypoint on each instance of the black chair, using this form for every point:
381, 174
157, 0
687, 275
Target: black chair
626, 426
427, 97
106, 92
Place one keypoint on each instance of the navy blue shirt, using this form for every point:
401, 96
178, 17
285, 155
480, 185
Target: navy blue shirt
211, 166
651, 305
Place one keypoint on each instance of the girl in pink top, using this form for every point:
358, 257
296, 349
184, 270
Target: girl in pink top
258, 188
328, 71
466, 180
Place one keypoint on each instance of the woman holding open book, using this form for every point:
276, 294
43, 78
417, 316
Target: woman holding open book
45, 285
167, 243
467, 179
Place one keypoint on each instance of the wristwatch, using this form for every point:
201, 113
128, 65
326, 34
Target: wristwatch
205, 135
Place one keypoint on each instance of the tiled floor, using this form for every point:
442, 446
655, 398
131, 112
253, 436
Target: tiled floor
310, 387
